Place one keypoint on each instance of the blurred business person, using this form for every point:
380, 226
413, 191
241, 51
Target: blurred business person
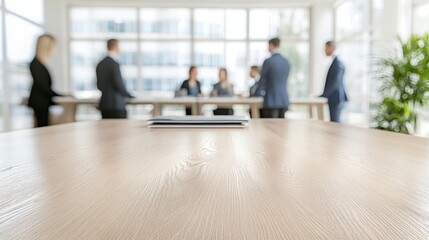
274, 77
334, 87
256, 90
223, 88
192, 86
41, 91
111, 84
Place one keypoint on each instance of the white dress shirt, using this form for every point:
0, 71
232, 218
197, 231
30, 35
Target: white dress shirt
114, 56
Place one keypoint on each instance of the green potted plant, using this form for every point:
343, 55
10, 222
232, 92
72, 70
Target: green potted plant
404, 85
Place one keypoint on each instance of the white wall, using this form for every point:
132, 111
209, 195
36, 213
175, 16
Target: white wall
322, 30
395, 20
56, 24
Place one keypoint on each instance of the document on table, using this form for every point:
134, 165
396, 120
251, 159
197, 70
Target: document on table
199, 122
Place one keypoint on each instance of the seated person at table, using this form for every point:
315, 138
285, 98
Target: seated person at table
223, 88
256, 90
192, 86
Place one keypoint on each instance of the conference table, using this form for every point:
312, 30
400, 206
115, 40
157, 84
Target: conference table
276, 179
70, 104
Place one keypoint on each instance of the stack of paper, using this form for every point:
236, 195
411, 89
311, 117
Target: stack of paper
199, 122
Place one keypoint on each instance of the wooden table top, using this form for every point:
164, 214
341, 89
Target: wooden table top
278, 179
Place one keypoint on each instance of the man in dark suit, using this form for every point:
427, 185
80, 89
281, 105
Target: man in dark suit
274, 76
111, 85
256, 89
334, 87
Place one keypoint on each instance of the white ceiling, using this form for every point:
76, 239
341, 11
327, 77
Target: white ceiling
213, 3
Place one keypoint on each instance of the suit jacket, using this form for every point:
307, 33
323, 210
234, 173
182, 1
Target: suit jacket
334, 87
256, 90
41, 92
274, 77
111, 85
185, 85
223, 92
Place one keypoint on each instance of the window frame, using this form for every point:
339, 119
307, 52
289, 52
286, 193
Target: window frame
9, 101
193, 40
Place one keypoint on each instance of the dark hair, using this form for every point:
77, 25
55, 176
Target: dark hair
330, 44
191, 69
275, 42
224, 70
112, 43
256, 68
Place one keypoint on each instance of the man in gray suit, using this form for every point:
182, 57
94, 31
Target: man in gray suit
274, 76
111, 85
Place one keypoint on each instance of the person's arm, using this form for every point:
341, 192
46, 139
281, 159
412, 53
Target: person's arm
215, 91
118, 82
183, 86
338, 73
97, 73
41, 80
199, 87
231, 91
259, 91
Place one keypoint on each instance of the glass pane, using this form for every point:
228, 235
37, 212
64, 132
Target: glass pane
129, 68
209, 57
103, 23
30, 9
165, 23
421, 19
20, 81
1, 39
209, 23
165, 65
236, 24
258, 53
351, 17
358, 75
236, 64
298, 55
268, 23
85, 57
20, 44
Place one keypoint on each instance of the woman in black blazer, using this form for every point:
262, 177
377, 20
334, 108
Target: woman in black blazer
41, 91
192, 86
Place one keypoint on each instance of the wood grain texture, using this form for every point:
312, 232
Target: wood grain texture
278, 179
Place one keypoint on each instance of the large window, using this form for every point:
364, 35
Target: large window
159, 44
353, 32
17, 42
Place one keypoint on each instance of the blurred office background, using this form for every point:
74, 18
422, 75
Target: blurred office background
160, 40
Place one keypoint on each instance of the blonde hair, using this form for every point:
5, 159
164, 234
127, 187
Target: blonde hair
45, 45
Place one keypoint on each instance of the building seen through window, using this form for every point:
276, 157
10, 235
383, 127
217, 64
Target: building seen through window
156, 56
